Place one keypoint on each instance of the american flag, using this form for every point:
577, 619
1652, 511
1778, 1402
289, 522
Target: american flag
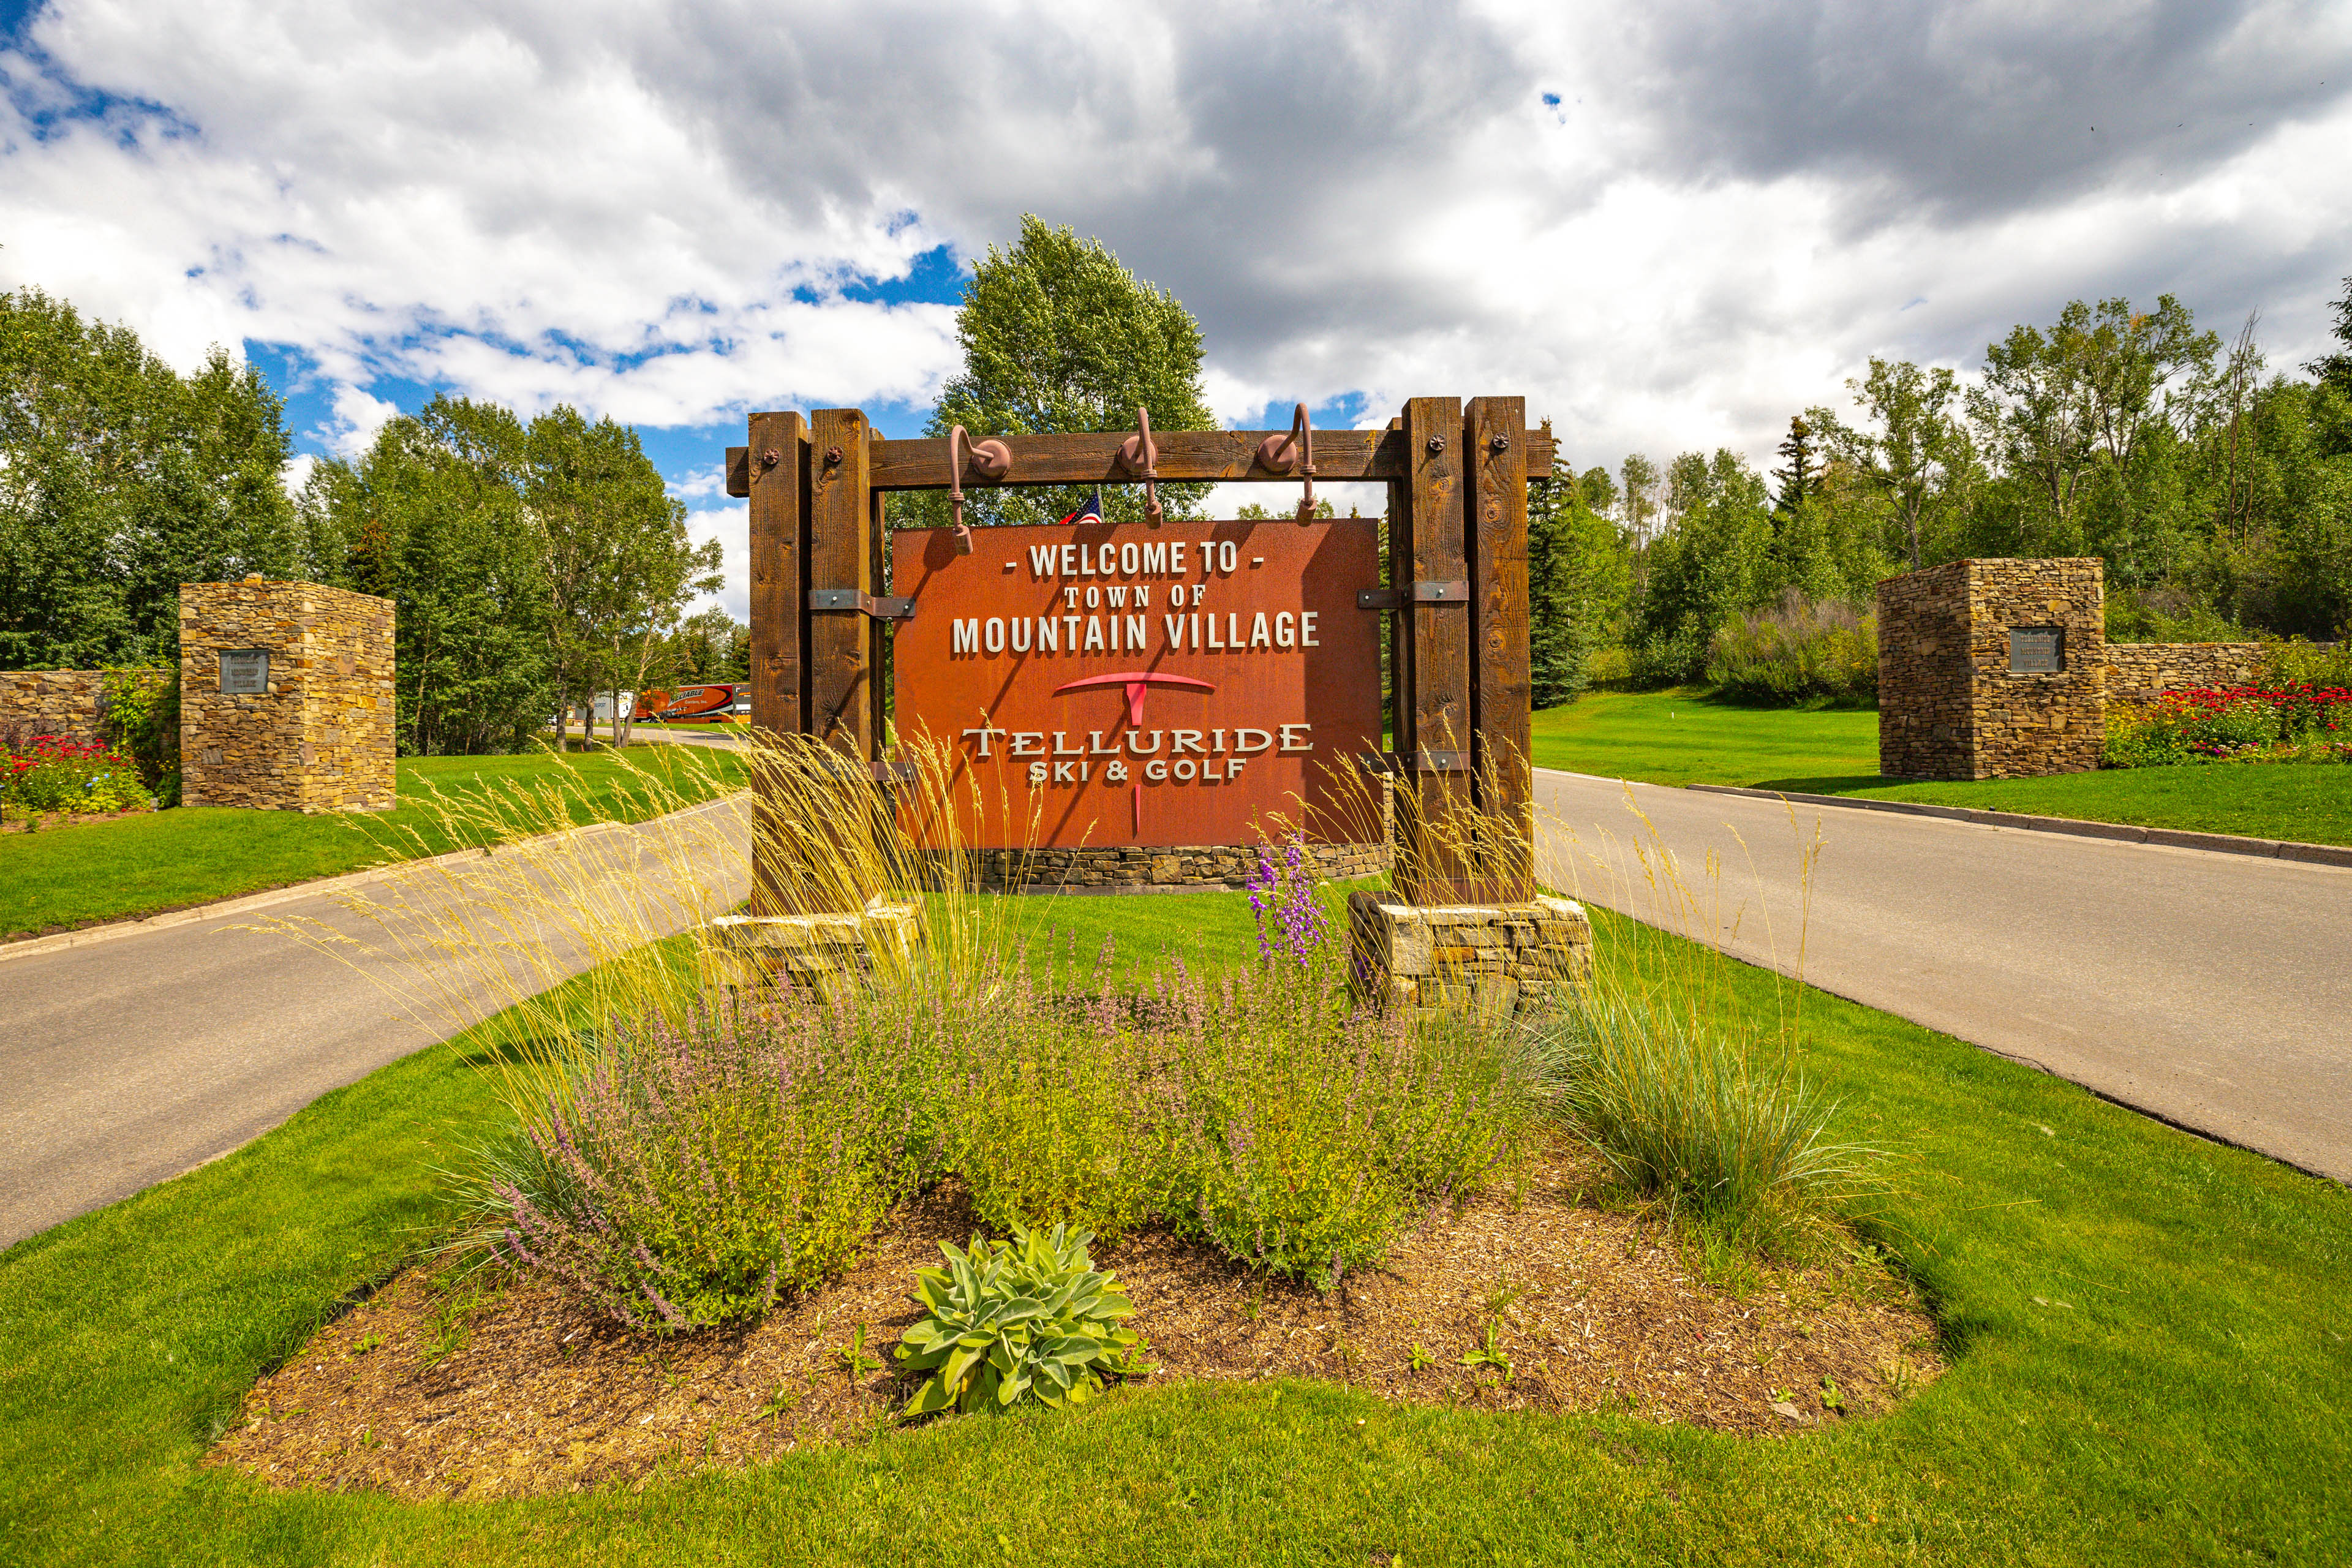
1090, 512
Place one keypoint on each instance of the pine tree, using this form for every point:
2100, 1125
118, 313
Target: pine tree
1802, 478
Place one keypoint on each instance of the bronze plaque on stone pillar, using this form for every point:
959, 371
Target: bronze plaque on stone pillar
2037, 650
243, 671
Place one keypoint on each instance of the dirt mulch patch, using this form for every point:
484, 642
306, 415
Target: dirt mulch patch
506, 1388
15, 822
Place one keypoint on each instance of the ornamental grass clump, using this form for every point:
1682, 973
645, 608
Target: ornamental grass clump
1698, 1102
1722, 1129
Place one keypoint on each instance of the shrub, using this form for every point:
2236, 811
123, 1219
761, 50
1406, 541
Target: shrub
2134, 741
1609, 666
1672, 657
1798, 651
143, 719
1033, 1319
50, 774
693, 1172
1319, 1131
1055, 1120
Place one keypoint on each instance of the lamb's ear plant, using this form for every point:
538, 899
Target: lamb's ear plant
1006, 1322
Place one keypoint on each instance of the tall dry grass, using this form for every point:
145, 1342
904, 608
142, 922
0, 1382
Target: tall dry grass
1699, 1101
691, 1135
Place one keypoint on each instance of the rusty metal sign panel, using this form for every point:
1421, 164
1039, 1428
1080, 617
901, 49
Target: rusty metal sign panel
1118, 685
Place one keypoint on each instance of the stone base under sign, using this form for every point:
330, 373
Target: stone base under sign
818, 951
1155, 867
1500, 958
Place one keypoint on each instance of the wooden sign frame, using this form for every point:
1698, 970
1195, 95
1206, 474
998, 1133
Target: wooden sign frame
1456, 596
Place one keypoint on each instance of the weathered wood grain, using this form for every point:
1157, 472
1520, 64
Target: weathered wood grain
1188, 455
779, 625
840, 512
1432, 866
1184, 455
1495, 453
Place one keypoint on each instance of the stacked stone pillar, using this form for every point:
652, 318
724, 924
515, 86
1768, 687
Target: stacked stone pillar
1993, 669
285, 697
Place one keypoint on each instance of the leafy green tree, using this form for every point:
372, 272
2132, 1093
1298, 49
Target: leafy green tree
1713, 562
2084, 422
1058, 337
1597, 491
612, 543
431, 517
121, 479
1643, 508
1913, 459
2336, 370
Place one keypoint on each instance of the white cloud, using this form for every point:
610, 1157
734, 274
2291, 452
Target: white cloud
655, 212
732, 528
357, 417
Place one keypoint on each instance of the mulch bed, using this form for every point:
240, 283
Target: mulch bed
504, 1388
15, 823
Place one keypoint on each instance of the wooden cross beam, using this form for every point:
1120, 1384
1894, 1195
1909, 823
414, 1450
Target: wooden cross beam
1185, 457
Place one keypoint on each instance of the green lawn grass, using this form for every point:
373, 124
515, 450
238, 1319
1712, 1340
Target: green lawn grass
1688, 736
2309, 801
160, 860
2151, 1364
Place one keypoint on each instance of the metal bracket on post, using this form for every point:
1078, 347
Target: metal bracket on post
851, 599
1138, 454
1422, 762
1455, 593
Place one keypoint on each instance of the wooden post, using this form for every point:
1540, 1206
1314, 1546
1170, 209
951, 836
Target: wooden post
877, 632
840, 702
1495, 441
777, 474
1434, 721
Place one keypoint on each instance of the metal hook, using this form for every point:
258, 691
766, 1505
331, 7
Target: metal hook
1282, 454
993, 458
1138, 455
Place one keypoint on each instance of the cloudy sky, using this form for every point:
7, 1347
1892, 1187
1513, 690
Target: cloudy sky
1669, 224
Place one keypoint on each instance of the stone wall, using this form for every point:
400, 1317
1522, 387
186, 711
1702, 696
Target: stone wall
1168, 867
2140, 672
320, 738
1492, 958
68, 703
1958, 698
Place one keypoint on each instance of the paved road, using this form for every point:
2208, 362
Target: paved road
127, 1061
2211, 990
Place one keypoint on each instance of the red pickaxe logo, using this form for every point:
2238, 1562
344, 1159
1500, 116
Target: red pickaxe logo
1138, 682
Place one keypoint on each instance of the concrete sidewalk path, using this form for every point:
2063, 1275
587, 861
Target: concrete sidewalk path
2213, 990
128, 1061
